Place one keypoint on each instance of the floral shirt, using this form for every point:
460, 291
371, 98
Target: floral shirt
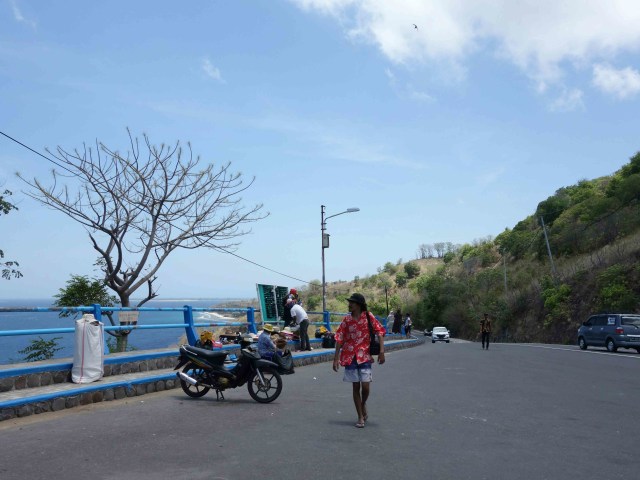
354, 337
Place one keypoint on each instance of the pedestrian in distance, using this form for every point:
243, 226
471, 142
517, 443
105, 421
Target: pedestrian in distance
397, 321
485, 330
407, 326
390, 319
286, 307
352, 352
299, 315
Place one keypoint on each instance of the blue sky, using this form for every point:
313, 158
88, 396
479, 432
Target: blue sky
449, 132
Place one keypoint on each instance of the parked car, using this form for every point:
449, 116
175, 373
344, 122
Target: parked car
439, 334
611, 330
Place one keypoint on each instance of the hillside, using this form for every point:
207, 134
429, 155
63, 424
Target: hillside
593, 232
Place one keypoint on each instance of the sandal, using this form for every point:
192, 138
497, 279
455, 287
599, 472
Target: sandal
359, 425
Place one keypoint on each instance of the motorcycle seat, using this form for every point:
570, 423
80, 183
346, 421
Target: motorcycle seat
216, 356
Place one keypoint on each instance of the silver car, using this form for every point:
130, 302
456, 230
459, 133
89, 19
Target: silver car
439, 334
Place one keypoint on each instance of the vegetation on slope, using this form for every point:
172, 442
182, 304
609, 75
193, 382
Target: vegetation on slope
593, 231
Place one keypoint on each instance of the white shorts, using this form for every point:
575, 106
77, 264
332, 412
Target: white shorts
361, 373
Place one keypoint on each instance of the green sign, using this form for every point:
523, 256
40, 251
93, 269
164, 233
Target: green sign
272, 300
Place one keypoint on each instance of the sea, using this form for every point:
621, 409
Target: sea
10, 346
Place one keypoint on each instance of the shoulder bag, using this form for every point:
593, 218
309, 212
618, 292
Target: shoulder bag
374, 343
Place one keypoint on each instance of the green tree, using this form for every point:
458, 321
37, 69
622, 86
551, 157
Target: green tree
412, 269
401, 279
556, 301
389, 268
8, 267
80, 290
614, 293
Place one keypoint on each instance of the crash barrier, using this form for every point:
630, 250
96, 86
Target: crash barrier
30, 389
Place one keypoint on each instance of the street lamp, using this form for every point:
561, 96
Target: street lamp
325, 244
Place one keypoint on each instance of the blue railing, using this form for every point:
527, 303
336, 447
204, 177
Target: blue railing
189, 324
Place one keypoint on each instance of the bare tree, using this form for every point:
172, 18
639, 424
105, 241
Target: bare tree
139, 207
425, 251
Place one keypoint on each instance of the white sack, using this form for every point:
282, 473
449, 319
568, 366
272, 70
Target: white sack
88, 356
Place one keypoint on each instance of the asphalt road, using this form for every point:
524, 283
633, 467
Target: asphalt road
438, 411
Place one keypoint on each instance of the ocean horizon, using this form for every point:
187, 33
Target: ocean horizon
10, 346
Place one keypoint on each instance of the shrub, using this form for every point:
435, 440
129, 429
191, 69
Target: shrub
40, 349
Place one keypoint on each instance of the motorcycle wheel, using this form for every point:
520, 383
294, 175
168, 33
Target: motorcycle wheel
195, 372
270, 390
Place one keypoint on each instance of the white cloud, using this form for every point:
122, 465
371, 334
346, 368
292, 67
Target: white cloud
407, 91
542, 38
419, 95
19, 17
330, 140
211, 71
622, 83
568, 101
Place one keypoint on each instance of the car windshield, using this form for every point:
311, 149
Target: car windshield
634, 320
440, 330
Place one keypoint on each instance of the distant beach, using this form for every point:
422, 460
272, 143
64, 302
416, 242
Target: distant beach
141, 340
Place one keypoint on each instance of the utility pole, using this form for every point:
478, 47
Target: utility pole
325, 244
546, 238
504, 269
387, 298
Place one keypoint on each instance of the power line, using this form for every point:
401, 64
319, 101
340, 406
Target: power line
36, 152
211, 246
261, 266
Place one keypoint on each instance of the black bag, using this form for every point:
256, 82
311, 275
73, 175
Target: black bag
374, 344
329, 340
284, 362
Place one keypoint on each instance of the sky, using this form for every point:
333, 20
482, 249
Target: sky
441, 120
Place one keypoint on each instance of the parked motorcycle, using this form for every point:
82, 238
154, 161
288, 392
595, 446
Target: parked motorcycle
204, 370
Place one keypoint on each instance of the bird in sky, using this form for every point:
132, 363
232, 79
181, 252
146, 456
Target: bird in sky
415, 26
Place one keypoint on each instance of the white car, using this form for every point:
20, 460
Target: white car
439, 334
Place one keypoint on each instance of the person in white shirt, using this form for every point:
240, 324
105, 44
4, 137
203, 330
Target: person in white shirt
407, 326
299, 315
390, 319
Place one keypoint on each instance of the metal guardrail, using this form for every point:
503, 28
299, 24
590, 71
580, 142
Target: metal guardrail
189, 324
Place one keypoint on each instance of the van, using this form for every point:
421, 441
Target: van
611, 330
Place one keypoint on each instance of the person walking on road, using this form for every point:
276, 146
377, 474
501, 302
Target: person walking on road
485, 330
407, 326
352, 352
299, 315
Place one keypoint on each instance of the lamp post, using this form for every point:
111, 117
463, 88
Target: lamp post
325, 244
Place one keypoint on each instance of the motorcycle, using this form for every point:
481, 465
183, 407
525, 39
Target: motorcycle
204, 370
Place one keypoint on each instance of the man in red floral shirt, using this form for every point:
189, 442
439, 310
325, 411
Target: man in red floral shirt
352, 352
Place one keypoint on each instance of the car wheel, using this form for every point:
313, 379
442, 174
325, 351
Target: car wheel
611, 345
447, 341
582, 344
433, 341
638, 350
